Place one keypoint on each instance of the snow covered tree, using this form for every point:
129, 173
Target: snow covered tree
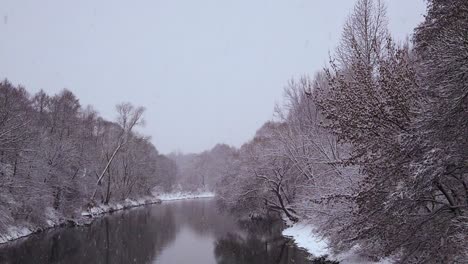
204, 170
128, 118
438, 149
52, 152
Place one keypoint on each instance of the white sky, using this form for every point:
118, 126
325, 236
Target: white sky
208, 71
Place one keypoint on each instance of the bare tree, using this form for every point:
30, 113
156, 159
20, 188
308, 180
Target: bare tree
52, 152
128, 118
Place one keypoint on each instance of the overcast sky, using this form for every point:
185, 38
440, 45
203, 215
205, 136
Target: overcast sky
207, 71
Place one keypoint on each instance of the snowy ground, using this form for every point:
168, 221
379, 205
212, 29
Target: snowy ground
15, 232
112, 207
305, 237
22, 230
184, 195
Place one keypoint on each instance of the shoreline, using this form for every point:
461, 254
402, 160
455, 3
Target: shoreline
304, 236
86, 217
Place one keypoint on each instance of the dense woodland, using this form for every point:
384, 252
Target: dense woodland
373, 150
203, 171
58, 158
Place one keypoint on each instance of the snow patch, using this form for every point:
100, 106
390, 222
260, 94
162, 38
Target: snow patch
304, 236
52, 219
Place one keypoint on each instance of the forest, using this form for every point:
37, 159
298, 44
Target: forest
372, 150
58, 158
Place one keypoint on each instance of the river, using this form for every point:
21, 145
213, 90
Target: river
176, 232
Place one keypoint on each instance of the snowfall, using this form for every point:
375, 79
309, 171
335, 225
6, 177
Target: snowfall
305, 237
16, 232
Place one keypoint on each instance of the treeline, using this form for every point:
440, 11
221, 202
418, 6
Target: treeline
58, 158
203, 171
373, 150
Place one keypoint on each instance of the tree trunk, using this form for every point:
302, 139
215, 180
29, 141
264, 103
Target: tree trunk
106, 168
57, 195
108, 192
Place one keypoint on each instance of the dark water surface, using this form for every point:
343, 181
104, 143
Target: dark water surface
192, 231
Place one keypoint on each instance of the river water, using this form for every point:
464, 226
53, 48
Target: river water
177, 232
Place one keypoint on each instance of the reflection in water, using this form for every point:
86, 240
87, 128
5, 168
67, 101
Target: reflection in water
131, 236
173, 232
262, 243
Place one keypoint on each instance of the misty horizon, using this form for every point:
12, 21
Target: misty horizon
207, 72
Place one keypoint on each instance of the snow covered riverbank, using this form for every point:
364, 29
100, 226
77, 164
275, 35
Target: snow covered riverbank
112, 207
185, 195
156, 198
305, 237
52, 220
15, 232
